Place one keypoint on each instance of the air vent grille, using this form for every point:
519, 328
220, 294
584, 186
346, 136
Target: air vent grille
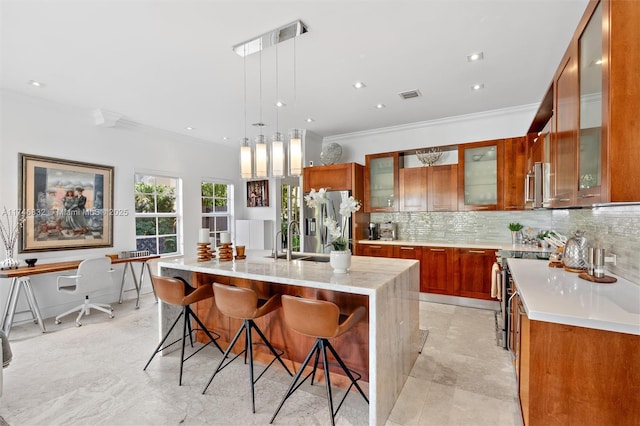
410, 94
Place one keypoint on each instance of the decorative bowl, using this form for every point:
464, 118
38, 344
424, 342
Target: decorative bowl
331, 154
429, 157
31, 262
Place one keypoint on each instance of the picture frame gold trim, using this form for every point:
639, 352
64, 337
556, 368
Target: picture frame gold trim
68, 205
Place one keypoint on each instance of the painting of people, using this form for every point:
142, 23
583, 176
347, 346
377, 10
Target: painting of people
64, 204
258, 193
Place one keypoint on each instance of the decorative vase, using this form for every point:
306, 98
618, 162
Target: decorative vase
9, 262
340, 261
516, 237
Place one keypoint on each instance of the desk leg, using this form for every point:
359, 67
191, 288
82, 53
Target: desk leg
10, 307
124, 274
135, 283
145, 265
33, 303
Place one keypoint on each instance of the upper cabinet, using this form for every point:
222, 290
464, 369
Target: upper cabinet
381, 182
480, 175
596, 95
433, 188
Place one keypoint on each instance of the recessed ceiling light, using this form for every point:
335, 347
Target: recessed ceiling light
190, 128
280, 104
359, 85
36, 83
224, 138
380, 106
477, 86
310, 120
478, 56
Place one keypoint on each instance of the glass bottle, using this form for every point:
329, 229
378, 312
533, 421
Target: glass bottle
576, 252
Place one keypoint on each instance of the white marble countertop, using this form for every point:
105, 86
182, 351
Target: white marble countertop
365, 275
555, 295
459, 244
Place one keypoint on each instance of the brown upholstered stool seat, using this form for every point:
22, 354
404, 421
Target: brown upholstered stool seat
176, 291
244, 304
322, 320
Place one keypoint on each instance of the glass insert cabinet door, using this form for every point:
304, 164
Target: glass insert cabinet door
481, 176
382, 182
591, 62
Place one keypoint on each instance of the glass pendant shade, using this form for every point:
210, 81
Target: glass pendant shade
278, 167
295, 152
246, 168
261, 158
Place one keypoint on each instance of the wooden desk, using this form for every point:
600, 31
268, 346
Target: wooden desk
20, 279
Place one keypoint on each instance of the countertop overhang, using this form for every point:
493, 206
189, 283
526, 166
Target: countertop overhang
558, 296
366, 274
460, 244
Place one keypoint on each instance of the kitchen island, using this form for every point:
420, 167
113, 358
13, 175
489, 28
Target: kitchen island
576, 346
383, 347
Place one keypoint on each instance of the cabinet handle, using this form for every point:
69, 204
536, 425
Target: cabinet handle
564, 199
477, 251
511, 351
407, 248
436, 249
589, 195
375, 247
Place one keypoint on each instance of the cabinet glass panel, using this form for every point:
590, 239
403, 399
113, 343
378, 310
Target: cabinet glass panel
481, 175
591, 101
382, 180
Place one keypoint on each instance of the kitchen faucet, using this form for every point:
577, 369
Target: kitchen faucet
289, 240
275, 244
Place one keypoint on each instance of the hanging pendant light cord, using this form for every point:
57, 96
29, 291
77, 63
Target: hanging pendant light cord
244, 71
277, 95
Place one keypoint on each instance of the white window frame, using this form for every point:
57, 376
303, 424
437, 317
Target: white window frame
229, 214
177, 214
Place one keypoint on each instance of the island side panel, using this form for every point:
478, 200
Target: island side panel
395, 322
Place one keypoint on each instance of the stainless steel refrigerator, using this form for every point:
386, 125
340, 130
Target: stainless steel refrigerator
315, 235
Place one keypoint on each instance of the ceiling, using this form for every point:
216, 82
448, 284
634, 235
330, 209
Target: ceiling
170, 64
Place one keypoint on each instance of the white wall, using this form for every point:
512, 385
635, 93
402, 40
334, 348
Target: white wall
34, 126
510, 122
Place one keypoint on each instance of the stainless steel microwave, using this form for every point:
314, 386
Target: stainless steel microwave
537, 186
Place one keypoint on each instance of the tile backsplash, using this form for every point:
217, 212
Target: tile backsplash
614, 228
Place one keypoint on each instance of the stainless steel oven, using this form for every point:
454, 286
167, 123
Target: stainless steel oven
504, 280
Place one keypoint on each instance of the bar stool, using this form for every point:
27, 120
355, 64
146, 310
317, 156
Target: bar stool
320, 319
176, 291
244, 304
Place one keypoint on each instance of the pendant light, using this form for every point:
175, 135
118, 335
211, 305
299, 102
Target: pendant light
278, 167
296, 161
261, 153
246, 166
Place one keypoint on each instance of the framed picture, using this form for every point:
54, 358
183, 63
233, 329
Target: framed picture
258, 193
68, 205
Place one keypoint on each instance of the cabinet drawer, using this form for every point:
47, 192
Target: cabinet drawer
375, 250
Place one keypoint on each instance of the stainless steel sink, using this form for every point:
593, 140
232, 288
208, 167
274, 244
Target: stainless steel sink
305, 257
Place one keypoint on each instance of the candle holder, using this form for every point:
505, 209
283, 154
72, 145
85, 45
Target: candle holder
205, 253
225, 252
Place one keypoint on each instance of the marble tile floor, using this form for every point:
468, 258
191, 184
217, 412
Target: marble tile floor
92, 375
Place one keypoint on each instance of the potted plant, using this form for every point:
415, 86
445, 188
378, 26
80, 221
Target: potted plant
516, 234
340, 256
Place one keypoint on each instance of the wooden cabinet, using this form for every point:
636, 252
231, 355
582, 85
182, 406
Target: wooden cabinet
576, 375
437, 270
337, 177
480, 175
596, 96
433, 188
381, 182
513, 172
375, 250
473, 277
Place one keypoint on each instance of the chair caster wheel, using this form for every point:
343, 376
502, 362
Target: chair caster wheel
111, 316
58, 321
78, 324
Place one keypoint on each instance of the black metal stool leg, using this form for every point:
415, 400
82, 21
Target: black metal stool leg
269, 345
204, 329
184, 333
249, 350
327, 379
347, 371
292, 386
166, 336
224, 357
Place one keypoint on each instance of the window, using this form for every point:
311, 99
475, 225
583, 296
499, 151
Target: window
157, 227
217, 208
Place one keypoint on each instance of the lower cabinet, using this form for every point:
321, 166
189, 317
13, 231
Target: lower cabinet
575, 375
473, 275
437, 271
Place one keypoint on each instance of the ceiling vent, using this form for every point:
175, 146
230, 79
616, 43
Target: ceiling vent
410, 94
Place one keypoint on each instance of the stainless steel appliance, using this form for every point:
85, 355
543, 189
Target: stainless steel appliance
374, 231
387, 231
537, 186
502, 317
315, 236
